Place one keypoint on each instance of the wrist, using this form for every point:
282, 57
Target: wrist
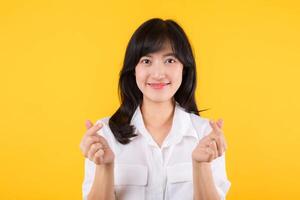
105, 166
201, 164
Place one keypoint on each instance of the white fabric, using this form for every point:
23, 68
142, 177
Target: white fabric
143, 170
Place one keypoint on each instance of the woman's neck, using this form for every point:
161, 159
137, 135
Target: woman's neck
156, 114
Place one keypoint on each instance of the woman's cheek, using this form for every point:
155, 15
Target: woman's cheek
177, 74
141, 80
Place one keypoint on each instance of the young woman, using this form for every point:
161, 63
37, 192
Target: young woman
156, 146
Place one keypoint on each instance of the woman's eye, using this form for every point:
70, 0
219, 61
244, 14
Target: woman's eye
145, 61
171, 60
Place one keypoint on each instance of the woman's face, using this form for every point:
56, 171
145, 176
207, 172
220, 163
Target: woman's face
159, 75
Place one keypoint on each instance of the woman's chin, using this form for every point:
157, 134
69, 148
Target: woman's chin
159, 98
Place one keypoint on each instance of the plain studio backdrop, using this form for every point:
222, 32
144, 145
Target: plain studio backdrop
60, 62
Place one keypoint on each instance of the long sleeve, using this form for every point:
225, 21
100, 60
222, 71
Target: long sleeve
218, 169
90, 166
220, 176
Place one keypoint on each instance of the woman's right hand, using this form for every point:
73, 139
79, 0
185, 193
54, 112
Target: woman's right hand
94, 146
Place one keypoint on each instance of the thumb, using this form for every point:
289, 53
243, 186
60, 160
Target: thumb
88, 124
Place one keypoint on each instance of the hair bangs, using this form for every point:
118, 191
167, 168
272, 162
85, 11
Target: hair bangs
155, 39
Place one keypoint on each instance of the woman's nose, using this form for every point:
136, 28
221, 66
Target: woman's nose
158, 71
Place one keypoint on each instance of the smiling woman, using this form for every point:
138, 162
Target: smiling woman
162, 72
151, 48
156, 146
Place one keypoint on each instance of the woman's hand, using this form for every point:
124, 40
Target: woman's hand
94, 146
211, 146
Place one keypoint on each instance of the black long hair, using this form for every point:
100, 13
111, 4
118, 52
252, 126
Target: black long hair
149, 38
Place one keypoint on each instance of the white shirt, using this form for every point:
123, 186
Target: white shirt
143, 170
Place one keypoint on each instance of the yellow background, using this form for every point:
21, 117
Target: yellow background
59, 66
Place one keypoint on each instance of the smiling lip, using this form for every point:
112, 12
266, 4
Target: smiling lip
158, 85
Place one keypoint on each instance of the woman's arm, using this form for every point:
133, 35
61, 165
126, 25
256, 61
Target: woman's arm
99, 167
103, 185
204, 187
208, 149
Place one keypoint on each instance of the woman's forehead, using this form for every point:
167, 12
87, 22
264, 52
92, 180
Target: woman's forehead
161, 54
165, 50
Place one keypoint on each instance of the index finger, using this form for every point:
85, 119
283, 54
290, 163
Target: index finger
92, 130
215, 127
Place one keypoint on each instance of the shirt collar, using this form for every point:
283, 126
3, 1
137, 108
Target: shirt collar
181, 126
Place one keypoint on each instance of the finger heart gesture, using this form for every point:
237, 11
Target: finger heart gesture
211, 146
94, 146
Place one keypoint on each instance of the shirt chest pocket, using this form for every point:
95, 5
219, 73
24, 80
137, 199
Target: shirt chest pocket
180, 181
130, 181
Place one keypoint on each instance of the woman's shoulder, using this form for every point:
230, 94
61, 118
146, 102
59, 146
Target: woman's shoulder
194, 118
104, 120
200, 123
199, 119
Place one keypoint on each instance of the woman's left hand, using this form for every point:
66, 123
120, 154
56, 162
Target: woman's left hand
211, 146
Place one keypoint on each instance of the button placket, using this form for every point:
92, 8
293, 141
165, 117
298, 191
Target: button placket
160, 174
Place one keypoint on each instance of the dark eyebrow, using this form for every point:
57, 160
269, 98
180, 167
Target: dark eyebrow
169, 54
165, 55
